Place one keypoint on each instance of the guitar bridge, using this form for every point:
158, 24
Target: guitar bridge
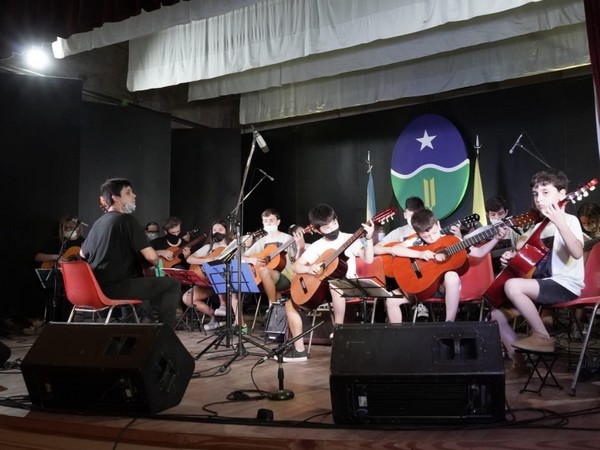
415, 267
303, 285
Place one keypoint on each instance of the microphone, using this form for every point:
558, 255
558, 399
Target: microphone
266, 175
516, 144
79, 222
260, 141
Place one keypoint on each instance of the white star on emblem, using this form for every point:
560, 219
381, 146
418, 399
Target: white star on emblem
426, 141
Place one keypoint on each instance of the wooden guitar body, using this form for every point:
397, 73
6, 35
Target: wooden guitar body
522, 265
276, 262
421, 279
70, 254
309, 291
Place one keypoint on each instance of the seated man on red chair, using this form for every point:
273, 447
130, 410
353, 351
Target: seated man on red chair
113, 249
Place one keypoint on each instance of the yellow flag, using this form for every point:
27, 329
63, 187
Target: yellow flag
478, 198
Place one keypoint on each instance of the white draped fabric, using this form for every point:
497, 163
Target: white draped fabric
290, 58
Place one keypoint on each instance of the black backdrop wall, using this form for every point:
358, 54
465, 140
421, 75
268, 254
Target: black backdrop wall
325, 162
40, 131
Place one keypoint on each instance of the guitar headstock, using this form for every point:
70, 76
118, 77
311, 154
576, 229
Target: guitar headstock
384, 216
258, 234
469, 221
522, 220
310, 229
580, 193
103, 205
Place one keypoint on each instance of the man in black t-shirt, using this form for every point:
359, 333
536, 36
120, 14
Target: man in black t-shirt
113, 248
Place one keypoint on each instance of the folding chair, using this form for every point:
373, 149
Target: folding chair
86, 296
589, 298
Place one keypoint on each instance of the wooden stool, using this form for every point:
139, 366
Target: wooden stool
543, 372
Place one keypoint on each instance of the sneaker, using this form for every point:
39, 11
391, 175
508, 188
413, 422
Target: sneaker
422, 312
293, 355
212, 325
243, 330
535, 343
220, 312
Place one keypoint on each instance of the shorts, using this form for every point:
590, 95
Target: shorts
283, 283
551, 292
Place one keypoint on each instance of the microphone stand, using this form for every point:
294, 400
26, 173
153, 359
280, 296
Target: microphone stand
235, 221
281, 393
535, 156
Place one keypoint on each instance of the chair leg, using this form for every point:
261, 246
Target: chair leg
70, 319
256, 311
310, 336
584, 347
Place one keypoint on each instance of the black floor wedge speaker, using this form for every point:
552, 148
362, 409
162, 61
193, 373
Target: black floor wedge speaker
417, 373
107, 368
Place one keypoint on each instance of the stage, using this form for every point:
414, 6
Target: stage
205, 418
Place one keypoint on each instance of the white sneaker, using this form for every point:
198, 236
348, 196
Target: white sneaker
422, 312
220, 312
212, 325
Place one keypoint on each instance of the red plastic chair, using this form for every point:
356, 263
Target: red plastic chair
86, 296
473, 283
589, 298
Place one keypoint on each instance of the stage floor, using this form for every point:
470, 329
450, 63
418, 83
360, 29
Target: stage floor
206, 419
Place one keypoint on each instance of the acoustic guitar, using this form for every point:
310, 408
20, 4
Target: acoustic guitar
522, 264
70, 254
224, 253
420, 279
388, 268
197, 237
308, 290
274, 256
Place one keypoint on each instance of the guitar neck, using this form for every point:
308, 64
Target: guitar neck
188, 244
357, 234
484, 235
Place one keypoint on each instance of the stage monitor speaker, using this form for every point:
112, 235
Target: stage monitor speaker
113, 368
417, 373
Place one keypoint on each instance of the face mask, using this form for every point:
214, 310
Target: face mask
270, 228
332, 235
152, 235
495, 221
218, 237
172, 239
128, 208
69, 234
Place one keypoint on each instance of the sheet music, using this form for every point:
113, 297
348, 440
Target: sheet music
359, 287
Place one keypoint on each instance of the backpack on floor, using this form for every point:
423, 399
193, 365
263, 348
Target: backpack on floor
276, 323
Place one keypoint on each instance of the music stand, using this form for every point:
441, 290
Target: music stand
360, 287
188, 278
222, 277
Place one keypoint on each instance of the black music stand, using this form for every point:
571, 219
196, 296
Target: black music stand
222, 277
188, 278
362, 288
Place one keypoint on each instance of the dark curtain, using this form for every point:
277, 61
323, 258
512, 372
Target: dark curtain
26, 22
592, 21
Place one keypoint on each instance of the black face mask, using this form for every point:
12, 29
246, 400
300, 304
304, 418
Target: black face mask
171, 239
218, 237
332, 235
